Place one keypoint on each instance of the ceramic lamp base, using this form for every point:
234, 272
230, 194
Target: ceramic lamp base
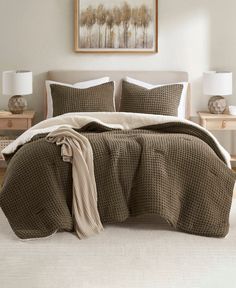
217, 105
17, 104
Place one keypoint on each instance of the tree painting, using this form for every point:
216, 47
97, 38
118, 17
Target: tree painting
125, 25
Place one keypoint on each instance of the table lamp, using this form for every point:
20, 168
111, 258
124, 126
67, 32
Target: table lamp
17, 83
217, 85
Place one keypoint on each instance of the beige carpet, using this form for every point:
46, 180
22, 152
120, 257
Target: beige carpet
138, 254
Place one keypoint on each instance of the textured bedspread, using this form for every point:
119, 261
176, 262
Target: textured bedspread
173, 169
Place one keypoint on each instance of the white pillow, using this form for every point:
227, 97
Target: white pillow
182, 103
79, 85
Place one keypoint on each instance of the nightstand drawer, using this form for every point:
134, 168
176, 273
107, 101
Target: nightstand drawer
13, 124
220, 124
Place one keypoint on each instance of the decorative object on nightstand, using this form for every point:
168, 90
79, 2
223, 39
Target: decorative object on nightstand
5, 113
220, 122
17, 83
217, 84
232, 110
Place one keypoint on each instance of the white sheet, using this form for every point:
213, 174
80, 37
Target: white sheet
119, 120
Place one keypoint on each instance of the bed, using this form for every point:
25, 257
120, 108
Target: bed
143, 163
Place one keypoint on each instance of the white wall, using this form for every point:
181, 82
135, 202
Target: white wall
193, 36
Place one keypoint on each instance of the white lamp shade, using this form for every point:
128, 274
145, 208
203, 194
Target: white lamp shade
217, 83
17, 83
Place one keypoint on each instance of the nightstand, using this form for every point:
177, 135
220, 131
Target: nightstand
17, 121
14, 122
218, 122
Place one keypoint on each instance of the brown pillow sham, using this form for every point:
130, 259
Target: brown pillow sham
163, 100
94, 99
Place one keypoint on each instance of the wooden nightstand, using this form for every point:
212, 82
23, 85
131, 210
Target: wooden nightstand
218, 122
15, 122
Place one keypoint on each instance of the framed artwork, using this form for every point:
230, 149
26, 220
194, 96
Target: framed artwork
116, 26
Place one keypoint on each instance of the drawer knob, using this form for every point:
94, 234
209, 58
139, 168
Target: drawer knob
224, 124
9, 124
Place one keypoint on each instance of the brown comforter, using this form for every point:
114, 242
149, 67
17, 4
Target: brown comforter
173, 170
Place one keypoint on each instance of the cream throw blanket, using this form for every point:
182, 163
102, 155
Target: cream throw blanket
76, 149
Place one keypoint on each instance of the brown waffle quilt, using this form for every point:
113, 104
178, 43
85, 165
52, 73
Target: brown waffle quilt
173, 169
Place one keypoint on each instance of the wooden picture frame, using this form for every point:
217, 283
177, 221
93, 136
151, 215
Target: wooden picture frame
118, 26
